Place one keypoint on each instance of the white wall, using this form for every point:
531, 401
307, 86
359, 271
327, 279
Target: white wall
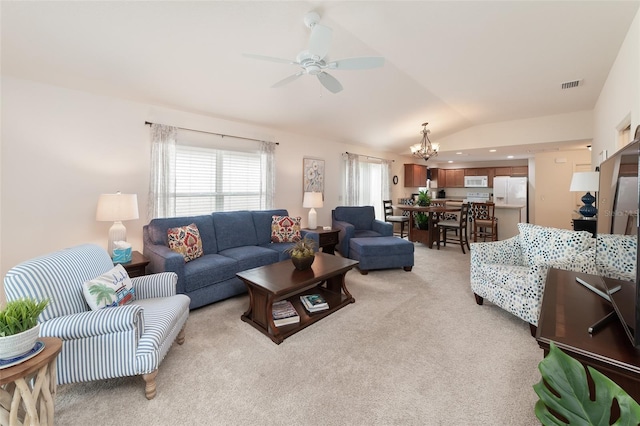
62, 148
619, 100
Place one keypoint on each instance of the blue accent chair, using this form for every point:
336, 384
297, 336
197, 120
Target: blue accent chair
127, 340
357, 222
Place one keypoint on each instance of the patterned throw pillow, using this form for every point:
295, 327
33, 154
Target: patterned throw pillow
186, 241
285, 229
112, 288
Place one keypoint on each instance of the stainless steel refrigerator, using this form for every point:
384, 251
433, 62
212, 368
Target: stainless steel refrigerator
510, 190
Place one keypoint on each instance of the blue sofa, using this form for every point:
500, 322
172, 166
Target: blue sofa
231, 241
357, 222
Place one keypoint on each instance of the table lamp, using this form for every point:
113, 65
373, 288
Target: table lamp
586, 181
312, 200
117, 208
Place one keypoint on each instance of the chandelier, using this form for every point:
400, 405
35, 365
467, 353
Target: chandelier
424, 149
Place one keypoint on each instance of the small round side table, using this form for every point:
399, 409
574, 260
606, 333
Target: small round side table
27, 390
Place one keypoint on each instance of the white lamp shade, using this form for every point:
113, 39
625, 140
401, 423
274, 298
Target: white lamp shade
117, 207
585, 182
312, 200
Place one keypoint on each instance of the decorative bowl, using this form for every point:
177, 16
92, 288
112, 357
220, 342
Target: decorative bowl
302, 263
18, 344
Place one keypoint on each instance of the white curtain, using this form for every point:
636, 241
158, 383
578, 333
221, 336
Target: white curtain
352, 179
386, 179
162, 182
267, 158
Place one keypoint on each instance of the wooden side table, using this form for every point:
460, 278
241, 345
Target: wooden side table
27, 390
328, 239
136, 268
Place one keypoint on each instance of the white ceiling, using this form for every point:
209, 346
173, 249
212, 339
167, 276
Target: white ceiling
454, 64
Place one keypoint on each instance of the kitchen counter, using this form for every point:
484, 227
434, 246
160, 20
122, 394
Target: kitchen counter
509, 215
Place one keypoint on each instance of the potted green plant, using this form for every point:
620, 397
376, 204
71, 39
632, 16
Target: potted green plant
302, 253
565, 397
19, 327
422, 218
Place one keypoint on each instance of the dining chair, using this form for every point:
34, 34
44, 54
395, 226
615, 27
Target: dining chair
459, 224
391, 218
485, 223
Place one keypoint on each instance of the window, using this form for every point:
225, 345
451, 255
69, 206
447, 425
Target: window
366, 182
209, 180
369, 191
195, 173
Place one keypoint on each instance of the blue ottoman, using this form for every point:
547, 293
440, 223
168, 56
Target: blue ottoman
381, 253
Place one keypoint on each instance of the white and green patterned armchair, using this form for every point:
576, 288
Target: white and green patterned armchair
126, 340
512, 273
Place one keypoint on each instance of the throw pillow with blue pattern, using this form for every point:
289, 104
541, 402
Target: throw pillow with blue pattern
110, 289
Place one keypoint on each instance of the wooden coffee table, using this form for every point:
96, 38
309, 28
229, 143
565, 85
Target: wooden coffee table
279, 281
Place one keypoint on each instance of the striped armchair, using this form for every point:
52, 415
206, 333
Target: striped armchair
112, 342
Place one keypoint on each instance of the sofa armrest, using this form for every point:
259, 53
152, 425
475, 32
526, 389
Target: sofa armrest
162, 284
95, 323
504, 252
383, 228
163, 259
584, 262
346, 232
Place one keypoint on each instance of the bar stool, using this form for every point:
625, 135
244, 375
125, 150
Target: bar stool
485, 223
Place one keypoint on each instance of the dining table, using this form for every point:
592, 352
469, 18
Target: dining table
430, 235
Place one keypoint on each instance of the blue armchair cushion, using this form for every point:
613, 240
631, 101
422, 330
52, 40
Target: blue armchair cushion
360, 217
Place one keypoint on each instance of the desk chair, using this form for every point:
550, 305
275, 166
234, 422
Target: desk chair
389, 217
459, 225
485, 223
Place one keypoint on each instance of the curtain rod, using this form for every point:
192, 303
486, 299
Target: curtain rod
369, 156
148, 123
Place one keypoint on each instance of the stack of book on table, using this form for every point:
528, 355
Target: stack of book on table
284, 313
314, 302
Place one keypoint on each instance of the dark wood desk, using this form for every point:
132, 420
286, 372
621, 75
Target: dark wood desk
568, 309
426, 236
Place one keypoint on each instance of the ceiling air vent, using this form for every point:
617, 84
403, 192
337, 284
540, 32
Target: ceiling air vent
571, 84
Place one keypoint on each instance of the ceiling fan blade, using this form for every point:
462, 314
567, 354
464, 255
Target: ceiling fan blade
288, 79
320, 40
329, 82
269, 58
362, 63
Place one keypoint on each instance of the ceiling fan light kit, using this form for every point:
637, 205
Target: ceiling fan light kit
312, 61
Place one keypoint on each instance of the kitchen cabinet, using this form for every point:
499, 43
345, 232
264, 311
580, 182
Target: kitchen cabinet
454, 178
415, 175
520, 171
502, 171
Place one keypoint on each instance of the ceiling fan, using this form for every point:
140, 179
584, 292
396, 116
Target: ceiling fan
313, 61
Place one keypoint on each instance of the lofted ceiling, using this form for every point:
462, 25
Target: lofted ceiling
455, 64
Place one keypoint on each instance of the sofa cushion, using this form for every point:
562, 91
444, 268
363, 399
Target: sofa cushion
186, 241
285, 229
234, 229
280, 248
262, 222
251, 256
209, 269
545, 245
113, 288
157, 230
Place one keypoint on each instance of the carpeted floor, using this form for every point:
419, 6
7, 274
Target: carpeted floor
414, 349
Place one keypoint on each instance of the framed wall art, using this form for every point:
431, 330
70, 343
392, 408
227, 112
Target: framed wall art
313, 175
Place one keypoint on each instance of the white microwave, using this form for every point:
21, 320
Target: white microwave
476, 181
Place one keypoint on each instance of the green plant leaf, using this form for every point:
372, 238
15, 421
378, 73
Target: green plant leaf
564, 389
